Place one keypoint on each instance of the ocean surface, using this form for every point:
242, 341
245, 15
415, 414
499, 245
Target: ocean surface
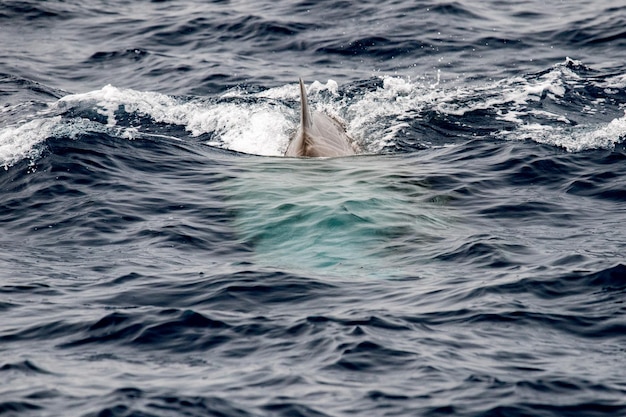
160, 257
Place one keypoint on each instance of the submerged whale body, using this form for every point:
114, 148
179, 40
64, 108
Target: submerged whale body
318, 135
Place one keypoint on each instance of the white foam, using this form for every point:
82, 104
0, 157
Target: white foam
511, 94
375, 118
378, 116
256, 128
330, 86
285, 92
107, 101
20, 141
577, 138
613, 84
261, 129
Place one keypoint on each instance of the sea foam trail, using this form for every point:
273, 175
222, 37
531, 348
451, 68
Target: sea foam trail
384, 114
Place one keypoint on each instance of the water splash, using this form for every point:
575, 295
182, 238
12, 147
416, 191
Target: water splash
562, 106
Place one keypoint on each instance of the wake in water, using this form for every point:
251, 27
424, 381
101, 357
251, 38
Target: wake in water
569, 106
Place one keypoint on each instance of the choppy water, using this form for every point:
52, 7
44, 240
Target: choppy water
159, 257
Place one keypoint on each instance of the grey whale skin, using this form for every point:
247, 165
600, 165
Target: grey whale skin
318, 135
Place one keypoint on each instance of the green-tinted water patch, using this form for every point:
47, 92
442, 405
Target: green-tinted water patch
358, 216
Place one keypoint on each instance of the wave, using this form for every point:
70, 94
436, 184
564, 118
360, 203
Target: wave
568, 106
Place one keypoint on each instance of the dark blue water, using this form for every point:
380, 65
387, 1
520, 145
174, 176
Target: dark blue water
159, 256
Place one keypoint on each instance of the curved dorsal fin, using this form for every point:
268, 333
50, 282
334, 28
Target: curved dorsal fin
305, 114
318, 135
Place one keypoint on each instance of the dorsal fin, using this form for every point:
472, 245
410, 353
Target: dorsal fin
318, 135
305, 114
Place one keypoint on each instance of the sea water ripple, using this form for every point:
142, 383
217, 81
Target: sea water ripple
159, 256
